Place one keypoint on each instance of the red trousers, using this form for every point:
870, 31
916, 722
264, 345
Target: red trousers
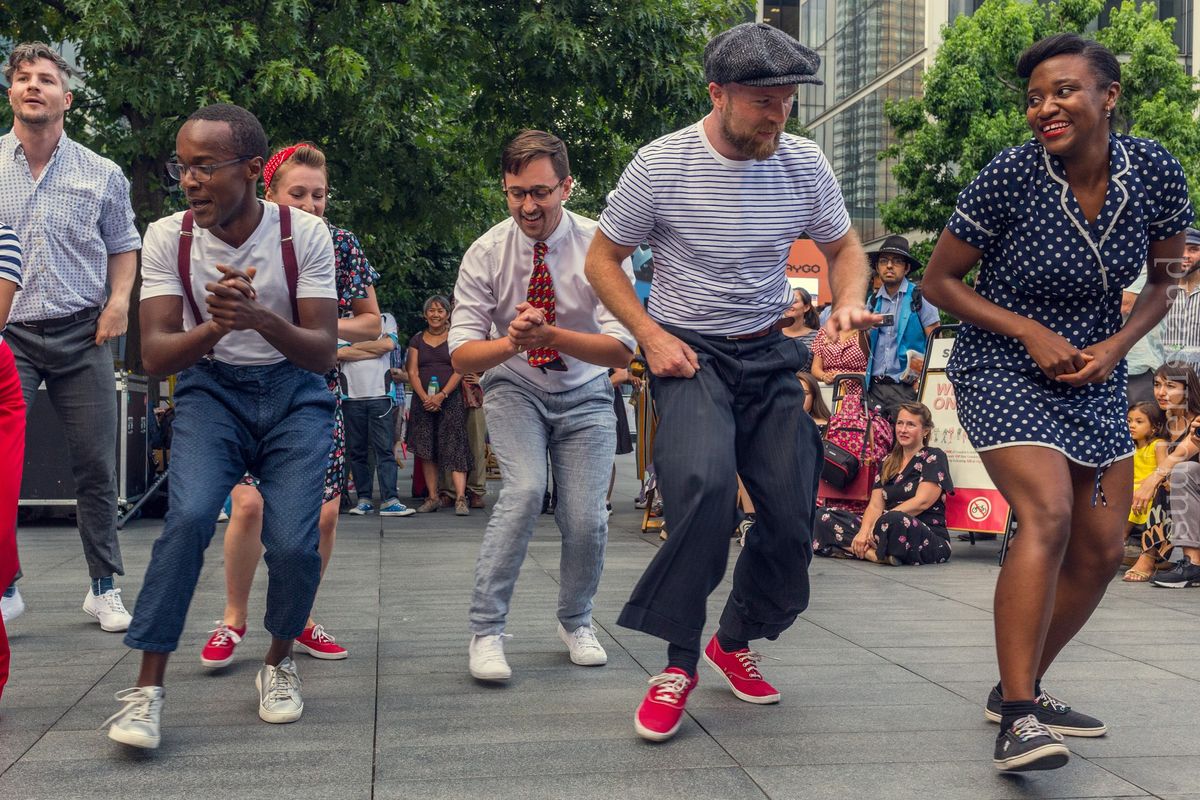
12, 459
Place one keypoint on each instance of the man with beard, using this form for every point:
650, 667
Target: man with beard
721, 202
1181, 327
71, 210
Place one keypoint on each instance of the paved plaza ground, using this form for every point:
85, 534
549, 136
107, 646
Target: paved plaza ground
882, 679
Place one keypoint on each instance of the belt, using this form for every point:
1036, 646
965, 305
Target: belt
43, 325
884, 379
767, 331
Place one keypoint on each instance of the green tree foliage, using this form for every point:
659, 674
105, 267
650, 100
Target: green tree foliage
973, 103
411, 101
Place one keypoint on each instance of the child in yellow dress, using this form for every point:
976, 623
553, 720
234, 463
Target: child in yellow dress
1146, 427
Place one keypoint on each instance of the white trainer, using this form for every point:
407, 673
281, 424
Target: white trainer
279, 697
108, 609
137, 724
12, 607
585, 648
487, 661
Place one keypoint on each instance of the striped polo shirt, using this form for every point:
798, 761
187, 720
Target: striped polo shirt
721, 229
1181, 328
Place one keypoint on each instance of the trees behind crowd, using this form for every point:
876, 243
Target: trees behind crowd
973, 105
411, 101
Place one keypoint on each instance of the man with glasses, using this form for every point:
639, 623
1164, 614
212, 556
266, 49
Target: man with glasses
71, 210
907, 321
546, 388
238, 296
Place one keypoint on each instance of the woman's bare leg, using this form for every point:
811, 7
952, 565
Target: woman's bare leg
243, 549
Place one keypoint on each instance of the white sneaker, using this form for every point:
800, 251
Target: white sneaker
487, 661
279, 697
109, 609
223, 516
585, 649
12, 607
137, 724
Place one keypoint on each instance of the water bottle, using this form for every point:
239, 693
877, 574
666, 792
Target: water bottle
435, 386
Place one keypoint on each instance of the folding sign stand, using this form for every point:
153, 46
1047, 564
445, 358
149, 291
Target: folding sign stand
976, 505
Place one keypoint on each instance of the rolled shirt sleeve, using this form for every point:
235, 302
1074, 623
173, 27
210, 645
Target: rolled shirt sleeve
474, 300
117, 227
832, 220
609, 324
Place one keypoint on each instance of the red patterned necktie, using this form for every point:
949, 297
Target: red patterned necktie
541, 295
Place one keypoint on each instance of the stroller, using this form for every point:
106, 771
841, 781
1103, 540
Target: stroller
857, 440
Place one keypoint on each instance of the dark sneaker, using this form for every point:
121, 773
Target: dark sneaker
1054, 714
1029, 745
1183, 575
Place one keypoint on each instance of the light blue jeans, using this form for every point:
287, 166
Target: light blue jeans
578, 427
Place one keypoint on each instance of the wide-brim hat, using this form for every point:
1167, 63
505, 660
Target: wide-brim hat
896, 246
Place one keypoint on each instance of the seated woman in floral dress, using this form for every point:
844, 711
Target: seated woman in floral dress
905, 522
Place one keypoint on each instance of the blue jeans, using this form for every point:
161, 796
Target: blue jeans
580, 430
369, 427
275, 421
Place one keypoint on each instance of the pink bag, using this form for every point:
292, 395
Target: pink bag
848, 427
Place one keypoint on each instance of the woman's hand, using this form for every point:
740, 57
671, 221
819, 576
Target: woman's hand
1105, 357
1053, 354
862, 542
435, 402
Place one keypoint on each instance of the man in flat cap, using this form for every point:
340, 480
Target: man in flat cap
721, 202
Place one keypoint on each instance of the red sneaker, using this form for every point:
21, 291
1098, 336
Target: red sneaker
661, 712
319, 644
740, 670
219, 650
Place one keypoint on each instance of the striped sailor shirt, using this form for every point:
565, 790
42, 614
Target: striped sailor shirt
1181, 327
10, 260
721, 229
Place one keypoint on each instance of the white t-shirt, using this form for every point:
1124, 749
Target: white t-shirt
365, 380
721, 229
263, 251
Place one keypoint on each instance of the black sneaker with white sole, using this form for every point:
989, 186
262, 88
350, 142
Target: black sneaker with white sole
1054, 714
1029, 745
1183, 575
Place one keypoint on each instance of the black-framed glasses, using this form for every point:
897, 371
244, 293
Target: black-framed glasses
540, 193
201, 173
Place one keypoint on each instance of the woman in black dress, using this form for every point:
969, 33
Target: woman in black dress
1062, 224
437, 422
905, 522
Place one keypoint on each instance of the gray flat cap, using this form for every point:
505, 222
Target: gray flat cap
756, 54
1192, 237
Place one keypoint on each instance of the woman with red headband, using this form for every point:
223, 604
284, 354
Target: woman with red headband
296, 177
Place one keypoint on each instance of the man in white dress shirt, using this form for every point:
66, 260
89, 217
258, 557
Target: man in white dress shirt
546, 388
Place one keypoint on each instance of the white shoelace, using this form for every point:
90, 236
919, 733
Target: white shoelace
137, 708
112, 598
750, 659
585, 637
491, 648
224, 634
1029, 727
669, 687
1056, 705
284, 682
319, 633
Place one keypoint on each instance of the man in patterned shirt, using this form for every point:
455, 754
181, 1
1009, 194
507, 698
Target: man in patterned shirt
71, 209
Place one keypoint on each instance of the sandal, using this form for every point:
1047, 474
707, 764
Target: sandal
1135, 576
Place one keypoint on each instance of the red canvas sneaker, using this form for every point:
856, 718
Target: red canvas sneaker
219, 650
661, 713
319, 644
740, 670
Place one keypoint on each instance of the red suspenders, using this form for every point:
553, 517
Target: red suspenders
291, 269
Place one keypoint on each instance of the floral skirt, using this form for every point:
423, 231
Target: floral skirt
896, 534
441, 437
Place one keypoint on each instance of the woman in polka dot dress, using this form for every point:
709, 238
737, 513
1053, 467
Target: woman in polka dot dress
1062, 224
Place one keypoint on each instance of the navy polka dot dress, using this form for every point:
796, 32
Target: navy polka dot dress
1044, 260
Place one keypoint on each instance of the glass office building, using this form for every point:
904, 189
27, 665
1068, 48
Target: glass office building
873, 51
